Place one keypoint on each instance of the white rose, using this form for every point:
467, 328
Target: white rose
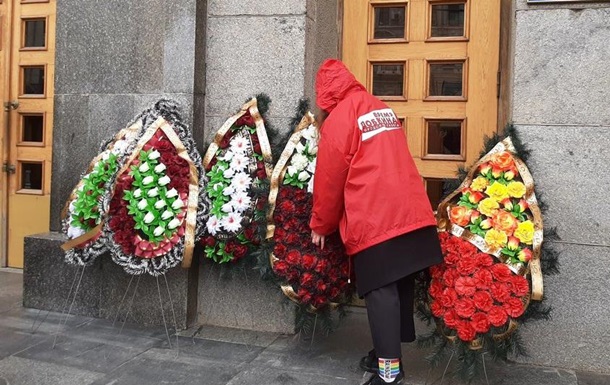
300, 148
303, 176
148, 180
153, 192
177, 204
167, 215
119, 147
105, 155
149, 217
164, 180
311, 167
158, 231
160, 204
313, 150
160, 168
292, 170
310, 186
299, 161
173, 224
144, 167
154, 155
228, 173
228, 191
137, 193
142, 204
227, 207
75, 232
172, 193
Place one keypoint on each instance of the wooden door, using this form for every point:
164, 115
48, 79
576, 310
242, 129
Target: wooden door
28, 36
435, 63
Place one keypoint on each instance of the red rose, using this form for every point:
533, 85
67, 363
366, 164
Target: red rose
300, 195
261, 174
245, 120
334, 275
293, 257
436, 289
465, 286
309, 261
483, 278
467, 264
501, 272
322, 266
449, 277
230, 247
483, 301
240, 251
307, 280
280, 267
165, 147
449, 297
437, 309
250, 233
257, 149
451, 318
285, 193
519, 285
293, 275
319, 300
500, 292
484, 260
261, 203
304, 295
480, 322
260, 165
497, 316
514, 307
465, 307
465, 331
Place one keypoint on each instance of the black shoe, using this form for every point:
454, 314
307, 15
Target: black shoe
376, 380
370, 363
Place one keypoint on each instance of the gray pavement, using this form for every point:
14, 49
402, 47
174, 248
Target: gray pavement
92, 351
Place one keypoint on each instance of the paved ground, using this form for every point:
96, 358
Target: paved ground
93, 352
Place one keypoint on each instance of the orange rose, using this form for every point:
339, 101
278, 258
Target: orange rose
504, 221
503, 160
460, 215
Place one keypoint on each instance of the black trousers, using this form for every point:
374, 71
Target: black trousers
390, 313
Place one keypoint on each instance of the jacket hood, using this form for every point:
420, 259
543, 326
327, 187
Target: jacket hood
334, 82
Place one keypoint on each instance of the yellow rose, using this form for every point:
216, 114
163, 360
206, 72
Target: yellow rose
479, 184
488, 207
495, 238
516, 189
497, 191
525, 232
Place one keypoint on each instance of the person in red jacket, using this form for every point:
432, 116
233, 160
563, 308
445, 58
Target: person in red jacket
366, 185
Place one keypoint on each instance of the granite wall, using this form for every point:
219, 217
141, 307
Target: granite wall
560, 106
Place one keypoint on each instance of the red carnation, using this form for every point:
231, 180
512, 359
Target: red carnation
467, 264
334, 275
334, 292
285, 193
279, 250
280, 267
501, 272
497, 316
483, 278
437, 309
436, 289
436, 271
322, 266
293, 238
449, 297
449, 277
451, 258
465, 286
500, 292
514, 307
209, 241
465, 331
484, 260
483, 301
319, 300
300, 195
320, 286
465, 307
451, 318
293, 257
519, 286
287, 206
304, 295
260, 204
309, 261
245, 120
307, 279
480, 322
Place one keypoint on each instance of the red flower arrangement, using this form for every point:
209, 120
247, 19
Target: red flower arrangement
318, 277
123, 224
470, 293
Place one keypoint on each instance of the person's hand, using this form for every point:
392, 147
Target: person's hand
317, 239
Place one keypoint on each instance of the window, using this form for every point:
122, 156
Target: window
33, 80
446, 81
32, 129
447, 20
34, 33
388, 80
444, 139
30, 177
389, 22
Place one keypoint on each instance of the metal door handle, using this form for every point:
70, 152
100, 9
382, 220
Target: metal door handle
12, 105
